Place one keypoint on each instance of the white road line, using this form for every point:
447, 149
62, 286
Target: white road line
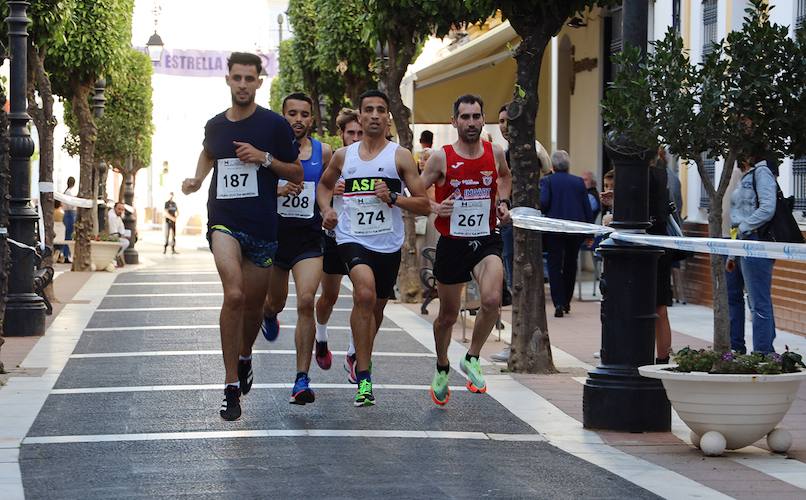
275, 433
197, 294
217, 352
195, 308
218, 387
205, 327
560, 429
165, 283
177, 273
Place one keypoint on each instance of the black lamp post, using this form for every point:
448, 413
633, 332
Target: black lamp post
25, 310
130, 255
101, 169
615, 396
382, 53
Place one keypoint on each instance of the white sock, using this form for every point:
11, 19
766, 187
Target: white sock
245, 358
237, 384
351, 347
321, 332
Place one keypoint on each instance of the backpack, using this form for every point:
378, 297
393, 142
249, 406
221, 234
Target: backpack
782, 228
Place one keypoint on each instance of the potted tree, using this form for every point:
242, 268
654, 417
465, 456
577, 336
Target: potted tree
744, 97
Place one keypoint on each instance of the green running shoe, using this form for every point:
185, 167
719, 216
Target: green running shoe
364, 395
472, 369
440, 393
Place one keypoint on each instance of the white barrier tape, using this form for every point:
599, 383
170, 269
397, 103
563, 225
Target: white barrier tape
719, 246
21, 245
529, 218
74, 200
45, 187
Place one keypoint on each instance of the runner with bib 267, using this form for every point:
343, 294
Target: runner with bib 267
472, 187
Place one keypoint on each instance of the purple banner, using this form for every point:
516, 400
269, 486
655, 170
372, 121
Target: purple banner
205, 63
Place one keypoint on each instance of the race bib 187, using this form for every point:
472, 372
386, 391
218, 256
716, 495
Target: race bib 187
236, 179
470, 218
299, 206
369, 215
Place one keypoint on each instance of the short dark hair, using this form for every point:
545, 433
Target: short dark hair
297, 96
346, 115
504, 108
372, 93
427, 137
467, 99
245, 58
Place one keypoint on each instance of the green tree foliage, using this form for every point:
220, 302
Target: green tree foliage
95, 40
126, 128
746, 99
341, 45
318, 81
289, 77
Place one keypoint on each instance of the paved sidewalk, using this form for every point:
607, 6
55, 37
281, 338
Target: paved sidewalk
745, 473
129, 382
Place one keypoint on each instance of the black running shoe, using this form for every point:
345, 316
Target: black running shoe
245, 375
231, 406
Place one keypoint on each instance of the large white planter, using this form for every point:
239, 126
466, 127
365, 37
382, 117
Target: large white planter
739, 408
103, 253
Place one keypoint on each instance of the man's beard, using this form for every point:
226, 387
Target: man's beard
470, 137
236, 102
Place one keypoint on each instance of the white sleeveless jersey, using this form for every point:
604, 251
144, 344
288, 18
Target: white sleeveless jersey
363, 217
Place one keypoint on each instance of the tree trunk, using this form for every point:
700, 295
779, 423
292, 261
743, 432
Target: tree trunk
5, 178
401, 53
83, 231
44, 122
718, 279
531, 347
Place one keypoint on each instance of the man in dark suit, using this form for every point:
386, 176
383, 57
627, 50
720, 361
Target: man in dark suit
563, 196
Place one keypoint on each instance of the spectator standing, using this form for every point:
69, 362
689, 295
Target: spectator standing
752, 205
69, 217
593, 193
563, 196
171, 213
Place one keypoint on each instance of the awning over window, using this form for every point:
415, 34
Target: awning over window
483, 66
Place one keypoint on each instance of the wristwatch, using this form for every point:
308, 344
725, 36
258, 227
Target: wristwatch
267, 162
393, 198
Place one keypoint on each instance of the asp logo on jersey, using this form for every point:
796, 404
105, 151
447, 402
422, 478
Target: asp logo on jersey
368, 184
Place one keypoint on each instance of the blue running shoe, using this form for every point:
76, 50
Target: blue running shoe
301, 393
270, 328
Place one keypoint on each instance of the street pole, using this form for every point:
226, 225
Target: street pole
615, 396
25, 310
130, 255
280, 27
102, 170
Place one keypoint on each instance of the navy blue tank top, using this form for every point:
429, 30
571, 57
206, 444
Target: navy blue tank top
301, 210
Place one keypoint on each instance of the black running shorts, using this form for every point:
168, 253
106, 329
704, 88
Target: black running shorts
296, 244
384, 266
456, 257
332, 263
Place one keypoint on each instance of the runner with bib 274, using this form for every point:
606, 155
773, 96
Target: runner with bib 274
369, 225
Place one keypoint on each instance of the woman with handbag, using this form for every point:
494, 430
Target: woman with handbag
753, 205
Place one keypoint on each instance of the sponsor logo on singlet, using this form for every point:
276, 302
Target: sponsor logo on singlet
477, 193
367, 184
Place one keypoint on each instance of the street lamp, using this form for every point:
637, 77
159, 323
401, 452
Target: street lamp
280, 26
382, 53
25, 310
98, 104
155, 47
616, 396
